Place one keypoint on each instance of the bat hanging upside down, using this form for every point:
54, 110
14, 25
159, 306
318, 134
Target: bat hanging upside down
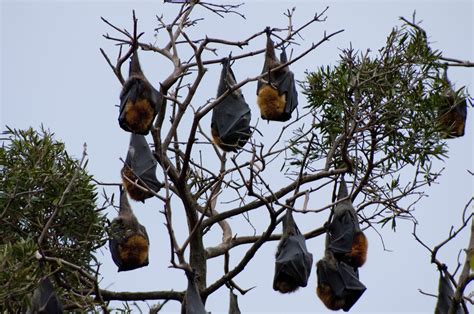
276, 93
128, 241
346, 240
139, 101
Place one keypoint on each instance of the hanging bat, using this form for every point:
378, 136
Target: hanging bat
139, 170
445, 296
233, 305
45, 300
293, 261
192, 303
139, 101
453, 112
338, 284
276, 93
346, 240
230, 125
128, 239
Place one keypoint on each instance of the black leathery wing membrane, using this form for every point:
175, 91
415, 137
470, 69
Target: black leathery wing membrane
139, 100
277, 97
339, 286
346, 240
44, 299
140, 169
192, 300
233, 304
293, 261
445, 295
230, 124
128, 239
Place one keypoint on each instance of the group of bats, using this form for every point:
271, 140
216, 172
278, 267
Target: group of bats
338, 284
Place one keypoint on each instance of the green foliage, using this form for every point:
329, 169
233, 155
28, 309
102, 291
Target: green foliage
34, 173
379, 112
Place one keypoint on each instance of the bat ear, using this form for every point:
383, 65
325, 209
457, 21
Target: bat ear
135, 68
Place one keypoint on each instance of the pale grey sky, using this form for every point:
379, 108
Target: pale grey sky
53, 74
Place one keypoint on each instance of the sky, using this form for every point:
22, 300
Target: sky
52, 73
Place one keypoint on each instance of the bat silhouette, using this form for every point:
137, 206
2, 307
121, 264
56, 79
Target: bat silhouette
346, 240
139, 101
45, 300
293, 261
338, 283
128, 239
139, 170
192, 303
276, 93
453, 112
230, 124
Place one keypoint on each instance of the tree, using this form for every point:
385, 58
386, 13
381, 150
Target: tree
352, 136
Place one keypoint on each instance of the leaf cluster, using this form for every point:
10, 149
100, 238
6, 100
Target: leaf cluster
35, 170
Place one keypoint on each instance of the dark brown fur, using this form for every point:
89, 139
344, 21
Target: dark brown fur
134, 251
326, 295
135, 192
358, 254
139, 115
285, 284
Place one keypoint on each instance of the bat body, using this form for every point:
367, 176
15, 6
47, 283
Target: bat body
338, 284
445, 296
453, 113
453, 117
230, 124
139, 171
139, 101
276, 93
233, 305
293, 261
347, 242
192, 303
45, 300
128, 241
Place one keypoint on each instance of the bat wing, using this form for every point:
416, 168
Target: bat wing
139, 104
445, 294
341, 233
193, 301
286, 85
233, 305
115, 237
45, 299
142, 162
343, 281
231, 118
293, 261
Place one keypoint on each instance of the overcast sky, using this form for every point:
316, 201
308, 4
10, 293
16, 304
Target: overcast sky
52, 73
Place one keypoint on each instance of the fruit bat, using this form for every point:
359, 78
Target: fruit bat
445, 295
192, 303
45, 299
128, 240
276, 94
139, 101
233, 305
346, 240
338, 284
230, 125
140, 168
453, 112
293, 261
